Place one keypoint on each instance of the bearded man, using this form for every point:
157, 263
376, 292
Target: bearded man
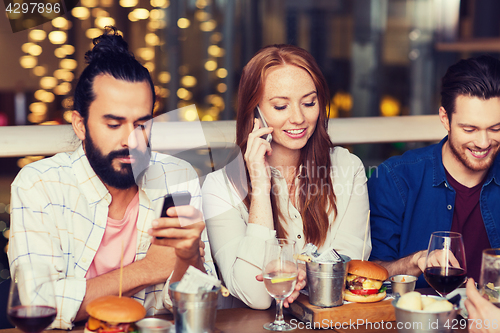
450, 186
84, 213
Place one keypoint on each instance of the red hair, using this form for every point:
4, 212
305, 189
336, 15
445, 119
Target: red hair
314, 208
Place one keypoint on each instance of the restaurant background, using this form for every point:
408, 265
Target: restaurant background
380, 58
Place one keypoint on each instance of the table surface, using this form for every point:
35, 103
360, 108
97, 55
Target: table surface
245, 320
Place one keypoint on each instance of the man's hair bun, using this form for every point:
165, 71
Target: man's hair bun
109, 44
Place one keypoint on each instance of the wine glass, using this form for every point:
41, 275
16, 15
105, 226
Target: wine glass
489, 281
32, 304
445, 267
280, 275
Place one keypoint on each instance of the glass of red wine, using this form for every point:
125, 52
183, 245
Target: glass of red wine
32, 304
445, 267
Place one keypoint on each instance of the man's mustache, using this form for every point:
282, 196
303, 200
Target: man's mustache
118, 153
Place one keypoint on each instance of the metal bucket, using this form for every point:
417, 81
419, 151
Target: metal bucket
326, 282
194, 313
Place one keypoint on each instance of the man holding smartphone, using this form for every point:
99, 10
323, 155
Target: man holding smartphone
85, 212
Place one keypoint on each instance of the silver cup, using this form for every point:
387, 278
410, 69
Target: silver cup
326, 282
402, 283
154, 325
194, 313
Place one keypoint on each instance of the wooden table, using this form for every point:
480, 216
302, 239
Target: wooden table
245, 320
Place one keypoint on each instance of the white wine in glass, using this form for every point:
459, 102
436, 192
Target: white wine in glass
489, 281
280, 276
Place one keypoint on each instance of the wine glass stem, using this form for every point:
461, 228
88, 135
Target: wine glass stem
279, 320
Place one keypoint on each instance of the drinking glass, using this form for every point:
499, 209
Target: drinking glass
280, 275
489, 281
445, 267
32, 304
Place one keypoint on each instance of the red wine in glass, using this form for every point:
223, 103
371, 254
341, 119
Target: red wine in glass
445, 266
31, 306
32, 318
444, 282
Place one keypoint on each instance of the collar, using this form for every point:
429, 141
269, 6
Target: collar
92, 187
440, 175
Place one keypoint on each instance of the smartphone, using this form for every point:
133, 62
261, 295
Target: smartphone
175, 199
258, 115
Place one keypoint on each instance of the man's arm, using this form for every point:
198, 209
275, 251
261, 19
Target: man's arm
413, 264
155, 268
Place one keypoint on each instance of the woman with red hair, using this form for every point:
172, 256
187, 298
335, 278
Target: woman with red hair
297, 186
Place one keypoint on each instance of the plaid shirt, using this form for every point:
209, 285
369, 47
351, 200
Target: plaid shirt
59, 214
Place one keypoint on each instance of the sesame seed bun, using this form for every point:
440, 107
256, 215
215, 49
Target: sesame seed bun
114, 309
368, 269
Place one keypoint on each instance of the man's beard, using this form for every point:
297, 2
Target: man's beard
460, 155
103, 165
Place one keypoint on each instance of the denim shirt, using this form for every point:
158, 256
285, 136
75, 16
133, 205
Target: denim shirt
410, 198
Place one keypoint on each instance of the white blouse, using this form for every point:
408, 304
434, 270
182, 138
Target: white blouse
238, 246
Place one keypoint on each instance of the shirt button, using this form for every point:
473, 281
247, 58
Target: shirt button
84, 260
296, 216
99, 223
449, 207
446, 184
299, 236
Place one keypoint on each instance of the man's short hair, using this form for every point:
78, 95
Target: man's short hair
474, 77
110, 55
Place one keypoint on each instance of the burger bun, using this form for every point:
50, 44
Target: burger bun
350, 297
368, 269
115, 310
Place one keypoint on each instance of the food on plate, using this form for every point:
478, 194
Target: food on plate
113, 314
364, 282
410, 301
414, 301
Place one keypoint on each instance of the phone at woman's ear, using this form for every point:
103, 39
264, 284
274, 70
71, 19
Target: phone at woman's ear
258, 115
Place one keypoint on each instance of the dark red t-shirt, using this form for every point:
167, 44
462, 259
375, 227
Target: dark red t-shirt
468, 221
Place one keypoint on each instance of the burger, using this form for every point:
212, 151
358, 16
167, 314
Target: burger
364, 282
113, 314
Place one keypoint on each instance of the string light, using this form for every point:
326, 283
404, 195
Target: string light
128, 3
57, 37
26, 47
48, 82
39, 71
35, 50
37, 35
28, 61
183, 23
81, 13
188, 81
68, 64
221, 73
211, 65
152, 39
60, 23
93, 33
102, 21
209, 25
141, 13
164, 77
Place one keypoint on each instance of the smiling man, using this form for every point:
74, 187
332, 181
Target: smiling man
85, 212
453, 185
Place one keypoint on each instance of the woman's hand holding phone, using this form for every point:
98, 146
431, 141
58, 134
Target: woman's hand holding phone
255, 158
